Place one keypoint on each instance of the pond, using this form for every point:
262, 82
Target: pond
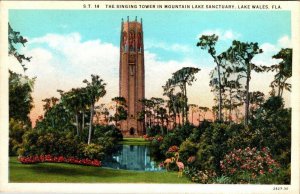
132, 157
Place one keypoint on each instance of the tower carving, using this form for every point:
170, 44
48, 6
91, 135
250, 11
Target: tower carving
132, 75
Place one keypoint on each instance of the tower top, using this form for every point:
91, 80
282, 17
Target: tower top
136, 18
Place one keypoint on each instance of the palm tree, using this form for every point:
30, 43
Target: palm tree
95, 90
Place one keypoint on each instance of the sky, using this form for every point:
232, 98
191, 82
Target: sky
67, 46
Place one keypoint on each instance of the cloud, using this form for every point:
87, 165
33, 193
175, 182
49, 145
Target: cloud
285, 42
224, 35
270, 50
64, 61
180, 48
261, 81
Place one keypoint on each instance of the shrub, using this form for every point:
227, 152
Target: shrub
16, 131
187, 149
222, 180
245, 165
169, 140
108, 131
200, 176
92, 151
153, 130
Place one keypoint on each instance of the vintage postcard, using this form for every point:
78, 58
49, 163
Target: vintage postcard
150, 97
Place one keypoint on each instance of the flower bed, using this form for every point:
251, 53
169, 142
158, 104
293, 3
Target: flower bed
58, 159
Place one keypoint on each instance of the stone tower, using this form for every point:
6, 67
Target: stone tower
132, 75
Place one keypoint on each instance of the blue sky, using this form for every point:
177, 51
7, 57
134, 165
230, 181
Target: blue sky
180, 27
68, 45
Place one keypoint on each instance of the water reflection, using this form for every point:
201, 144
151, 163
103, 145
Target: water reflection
132, 157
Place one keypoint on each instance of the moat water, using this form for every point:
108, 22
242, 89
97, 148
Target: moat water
132, 157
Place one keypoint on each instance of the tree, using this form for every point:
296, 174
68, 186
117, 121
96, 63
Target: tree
72, 100
204, 110
102, 110
157, 104
183, 77
283, 69
257, 98
95, 90
194, 108
49, 103
20, 99
241, 54
13, 39
120, 109
232, 88
208, 42
20, 86
161, 114
147, 112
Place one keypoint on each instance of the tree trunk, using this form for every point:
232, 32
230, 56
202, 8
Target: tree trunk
186, 104
91, 123
179, 119
230, 105
246, 119
77, 124
220, 92
182, 116
162, 126
82, 127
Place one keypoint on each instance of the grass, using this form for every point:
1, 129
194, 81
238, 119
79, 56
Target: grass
69, 173
134, 141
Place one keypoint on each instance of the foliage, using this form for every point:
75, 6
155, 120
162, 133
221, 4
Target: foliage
183, 77
244, 165
56, 117
56, 143
241, 54
283, 69
15, 38
16, 131
171, 139
208, 42
120, 109
273, 129
222, 180
187, 149
108, 131
212, 147
95, 90
20, 99
199, 176
92, 151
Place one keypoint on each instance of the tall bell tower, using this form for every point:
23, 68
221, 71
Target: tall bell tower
132, 75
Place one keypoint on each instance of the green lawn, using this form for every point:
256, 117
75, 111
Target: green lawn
69, 173
134, 141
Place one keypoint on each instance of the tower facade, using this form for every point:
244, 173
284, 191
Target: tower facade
132, 75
